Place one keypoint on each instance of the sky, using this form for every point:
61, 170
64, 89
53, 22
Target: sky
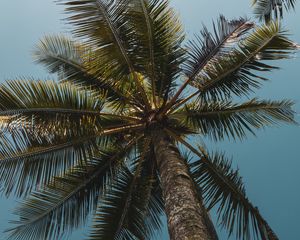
269, 162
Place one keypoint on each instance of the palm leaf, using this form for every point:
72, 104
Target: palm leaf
65, 203
120, 214
50, 151
152, 196
71, 61
154, 209
225, 119
49, 103
222, 187
26, 163
146, 170
139, 14
160, 35
168, 51
234, 72
103, 24
266, 9
20, 95
132, 207
207, 47
47, 107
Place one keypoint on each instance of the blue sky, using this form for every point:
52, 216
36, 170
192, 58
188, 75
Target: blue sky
269, 162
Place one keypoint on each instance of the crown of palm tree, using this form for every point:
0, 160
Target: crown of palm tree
85, 144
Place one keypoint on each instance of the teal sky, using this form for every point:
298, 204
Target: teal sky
269, 162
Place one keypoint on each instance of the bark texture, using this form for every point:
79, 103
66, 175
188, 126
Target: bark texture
187, 217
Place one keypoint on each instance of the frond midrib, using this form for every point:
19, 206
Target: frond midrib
49, 110
234, 109
58, 110
151, 50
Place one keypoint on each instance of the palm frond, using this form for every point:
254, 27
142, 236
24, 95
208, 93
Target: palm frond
71, 61
47, 107
4, 122
139, 14
209, 46
154, 208
49, 102
235, 72
120, 214
205, 51
222, 187
20, 95
24, 153
65, 203
225, 119
104, 25
152, 200
131, 209
26, 163
160, 36
267, 9
26, 166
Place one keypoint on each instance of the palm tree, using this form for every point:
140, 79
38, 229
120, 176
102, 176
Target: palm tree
107, 138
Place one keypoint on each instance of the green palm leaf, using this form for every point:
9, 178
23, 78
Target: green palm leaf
27, 165
159, 34
21, 95
132, 207
50, 127
71, 61
222, 187
154, 210
266, 9
48, 107
225, 119
208, 47
152, 195
235, 72
103, 24
65, 203
139, 13
49, 103
120, 214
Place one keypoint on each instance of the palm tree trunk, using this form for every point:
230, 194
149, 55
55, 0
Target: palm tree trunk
187, 217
